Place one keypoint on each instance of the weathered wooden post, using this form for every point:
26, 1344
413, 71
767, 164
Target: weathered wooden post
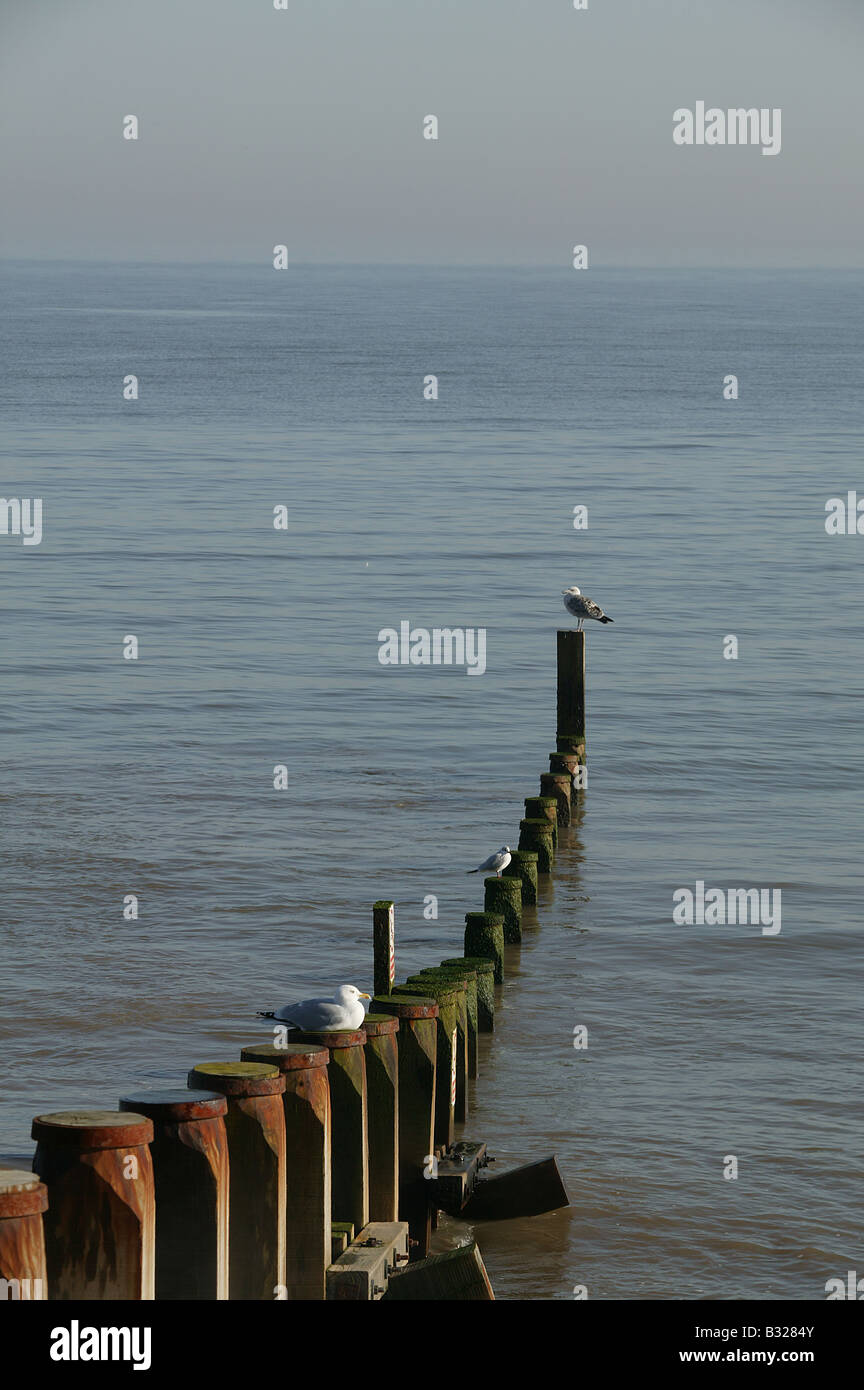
100, 1222
523, 866
558, 785
23, 1199
382, 1085
460, 984
484, 936
446, 996
504, 899
308, 1200
190, 1169
418, 1050
484, 969
349, 1104
537, 835
571, 692
255, 1126
384, 947
461, 970
543, 808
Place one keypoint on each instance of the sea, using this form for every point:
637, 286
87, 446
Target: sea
301, 394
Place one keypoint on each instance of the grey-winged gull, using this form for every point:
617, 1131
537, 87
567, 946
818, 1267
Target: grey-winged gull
343, 1009
495, 863
582, 608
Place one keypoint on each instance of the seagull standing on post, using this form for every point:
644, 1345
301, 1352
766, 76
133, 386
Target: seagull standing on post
582, 608
496, 862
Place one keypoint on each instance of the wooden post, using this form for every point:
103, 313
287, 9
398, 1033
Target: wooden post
484, 969
458, 982
384, 946
537, 835
190, 1169
567, 764
523, 865
255, 1126
447, 1048
504, 899
558, 785
484, 936
101, 1218
306, 1103
349, 1102
418, 1051
461, 970
382, 1084
571, 691
543, 808
23, 1198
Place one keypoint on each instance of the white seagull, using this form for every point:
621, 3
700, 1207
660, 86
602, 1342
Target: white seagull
495, 863
582, 608
343, 1009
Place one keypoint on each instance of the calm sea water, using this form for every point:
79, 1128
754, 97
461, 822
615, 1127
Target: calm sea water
259, 647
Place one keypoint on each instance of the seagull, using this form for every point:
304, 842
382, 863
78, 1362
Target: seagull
497, 861
343, 1009
582, 608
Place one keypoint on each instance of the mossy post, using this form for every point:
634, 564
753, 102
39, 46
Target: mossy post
349, 1101
306, 1103
484, 936
461, 970
384, 947
456, 982
23, 1199
523, 866
100, 1226
568, 764
558, 785
543, 808
537, 835
484, 969
571, 691
445, 994
190, 1171
504, 899
418, 1053
255, 1126
382, 1086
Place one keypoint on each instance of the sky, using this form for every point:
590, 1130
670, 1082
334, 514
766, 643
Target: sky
303, 127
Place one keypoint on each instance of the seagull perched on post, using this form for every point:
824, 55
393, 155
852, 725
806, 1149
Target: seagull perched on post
582, 608
496, 862
342, 1009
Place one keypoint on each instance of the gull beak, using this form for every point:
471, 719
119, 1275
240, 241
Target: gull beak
363, 996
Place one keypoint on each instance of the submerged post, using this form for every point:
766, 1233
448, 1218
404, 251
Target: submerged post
307, 1131
504, 898
190, 1169
100, 1222
255, 1125
571, 691
384, 947
418, 1048
484, 969
523, 866
484, 936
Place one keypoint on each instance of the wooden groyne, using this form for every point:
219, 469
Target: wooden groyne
312, 1167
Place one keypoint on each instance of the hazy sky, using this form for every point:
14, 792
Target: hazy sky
305, 127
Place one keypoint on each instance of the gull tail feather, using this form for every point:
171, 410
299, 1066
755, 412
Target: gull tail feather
604, 619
